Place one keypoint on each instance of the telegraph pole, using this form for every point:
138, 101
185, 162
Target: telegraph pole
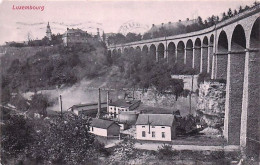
61, 106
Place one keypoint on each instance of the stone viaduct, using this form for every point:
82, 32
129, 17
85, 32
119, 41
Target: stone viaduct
228, 50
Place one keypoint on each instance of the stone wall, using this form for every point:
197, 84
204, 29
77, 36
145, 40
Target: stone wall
211, 104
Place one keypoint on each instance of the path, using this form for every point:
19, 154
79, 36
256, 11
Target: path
154, 147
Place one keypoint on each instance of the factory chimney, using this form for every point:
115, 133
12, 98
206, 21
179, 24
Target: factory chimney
99, 103
108, 101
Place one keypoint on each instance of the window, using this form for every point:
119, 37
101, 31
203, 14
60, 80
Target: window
153, 134
153, 126
163, 127
163, 134
143, 133
143, 126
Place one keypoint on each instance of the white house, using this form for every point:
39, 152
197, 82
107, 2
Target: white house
157, 127
122, 105
106, 128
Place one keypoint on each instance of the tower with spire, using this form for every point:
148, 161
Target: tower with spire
48, 32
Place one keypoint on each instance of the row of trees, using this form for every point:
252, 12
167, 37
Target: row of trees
119, 38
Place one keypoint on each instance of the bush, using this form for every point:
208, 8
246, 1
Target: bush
165, 152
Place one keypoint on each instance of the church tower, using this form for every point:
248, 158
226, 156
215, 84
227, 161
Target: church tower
48, 32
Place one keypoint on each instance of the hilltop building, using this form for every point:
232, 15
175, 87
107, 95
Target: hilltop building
106, 128
122, 105
156, 127
74, 37
48, 31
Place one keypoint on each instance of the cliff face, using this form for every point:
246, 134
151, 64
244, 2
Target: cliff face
152, 99
211, 104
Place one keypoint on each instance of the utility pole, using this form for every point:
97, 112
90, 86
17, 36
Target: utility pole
191, 92
61, 106
99, 103
108, 101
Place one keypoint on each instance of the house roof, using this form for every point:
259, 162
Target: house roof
89, 105
155, 119
102, 123
123, 103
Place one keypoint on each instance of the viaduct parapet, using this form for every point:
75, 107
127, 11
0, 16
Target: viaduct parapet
230, 51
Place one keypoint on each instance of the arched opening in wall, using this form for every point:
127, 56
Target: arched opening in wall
160, 52
114, 53
204, 60
235, 81
109, 53
138, 49
153, 52
222, 43
221, 57
180, 54
131, 52
238, 41
210, 59
197, 55
171, 53
145, 50
119, 52
189, 53
211, 40
255, 35
125, 51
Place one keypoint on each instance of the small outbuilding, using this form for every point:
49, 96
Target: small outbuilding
106, 128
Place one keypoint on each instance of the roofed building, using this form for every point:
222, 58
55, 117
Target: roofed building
156, 127
122, 105
74, 37
88, 109
106, 128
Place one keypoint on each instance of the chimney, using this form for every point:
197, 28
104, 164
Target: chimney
108, 102
99, 103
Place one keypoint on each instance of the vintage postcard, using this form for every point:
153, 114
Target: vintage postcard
118, 82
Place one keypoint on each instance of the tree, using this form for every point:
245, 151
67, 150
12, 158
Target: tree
16, 137
256, 3
240, 9
224, 17
200, 22
235, 12
63, 141
229, 13
39, 104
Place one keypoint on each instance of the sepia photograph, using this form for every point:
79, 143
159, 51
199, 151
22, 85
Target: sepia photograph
113, 82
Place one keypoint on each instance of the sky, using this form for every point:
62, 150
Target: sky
108, 16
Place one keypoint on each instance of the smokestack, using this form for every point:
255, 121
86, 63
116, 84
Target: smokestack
108, 102
61, 105
99, 103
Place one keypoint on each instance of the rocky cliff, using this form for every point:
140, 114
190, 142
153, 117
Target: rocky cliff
211, 104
